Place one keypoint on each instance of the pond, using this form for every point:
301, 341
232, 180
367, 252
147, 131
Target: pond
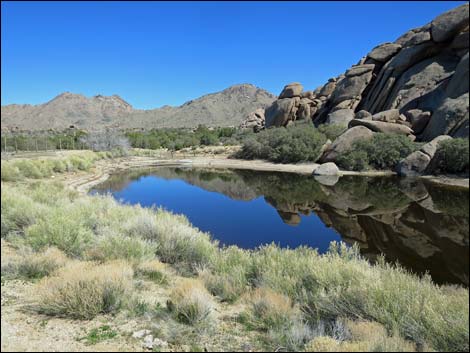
421, 226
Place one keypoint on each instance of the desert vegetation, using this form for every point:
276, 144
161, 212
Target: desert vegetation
176, 139
86, 256
452, 156
297, 143
383, 151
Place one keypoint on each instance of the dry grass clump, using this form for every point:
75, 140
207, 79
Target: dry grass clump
38, 265
271, 310
83, 290
190, 302
152, 270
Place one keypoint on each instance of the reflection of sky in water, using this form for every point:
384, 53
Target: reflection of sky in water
247, 224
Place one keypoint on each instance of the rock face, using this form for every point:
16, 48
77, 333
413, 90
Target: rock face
255, 120
380, 126
281, 112
341, 117
417, 85
226, 108
344, 142
417, 162
413, 165
447, 25
291, 90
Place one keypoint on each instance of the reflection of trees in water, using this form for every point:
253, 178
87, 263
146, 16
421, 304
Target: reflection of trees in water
420, 225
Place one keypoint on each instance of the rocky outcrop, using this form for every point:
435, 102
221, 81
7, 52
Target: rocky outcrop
380, 126
291, 90
344, 142
281, 112
417, 162
255, 120
417, 85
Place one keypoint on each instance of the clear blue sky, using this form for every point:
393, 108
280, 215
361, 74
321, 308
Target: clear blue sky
157, 53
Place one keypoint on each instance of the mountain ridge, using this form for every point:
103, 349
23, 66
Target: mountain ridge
224, 108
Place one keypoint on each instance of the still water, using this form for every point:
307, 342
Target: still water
421, 226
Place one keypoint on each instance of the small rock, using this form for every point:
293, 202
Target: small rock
326, 169
141, 333
148, 342
327, 180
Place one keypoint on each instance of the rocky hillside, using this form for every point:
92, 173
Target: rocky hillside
225, 108
416, 86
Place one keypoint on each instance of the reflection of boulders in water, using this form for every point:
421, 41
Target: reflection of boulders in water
423, 241
421, 226
290, 218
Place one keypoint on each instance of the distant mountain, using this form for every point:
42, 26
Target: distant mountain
226, 108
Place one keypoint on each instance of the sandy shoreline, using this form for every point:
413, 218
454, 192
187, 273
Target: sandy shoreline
83, 182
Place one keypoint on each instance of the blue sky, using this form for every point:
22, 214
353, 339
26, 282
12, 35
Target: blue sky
157, 53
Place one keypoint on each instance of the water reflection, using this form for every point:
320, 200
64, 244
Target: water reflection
422, 226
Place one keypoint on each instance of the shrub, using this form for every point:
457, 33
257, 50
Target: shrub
84, 290
452, 156
62, 230
153, 270
35, 265
10, 172
190, 302
291, 338
284, 145
382, 151
29, 168
38, 265
228, 275
270, 310
18, 211
114, 247
332, 131
105, 141
179, 243
357, 160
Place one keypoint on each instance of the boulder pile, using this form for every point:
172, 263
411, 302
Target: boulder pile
416, 86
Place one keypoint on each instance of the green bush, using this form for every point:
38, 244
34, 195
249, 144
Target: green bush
452, 156
227, 276
114, 247
357, 160
10, 172
382, 151
332, 131
62, 230
298, 143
